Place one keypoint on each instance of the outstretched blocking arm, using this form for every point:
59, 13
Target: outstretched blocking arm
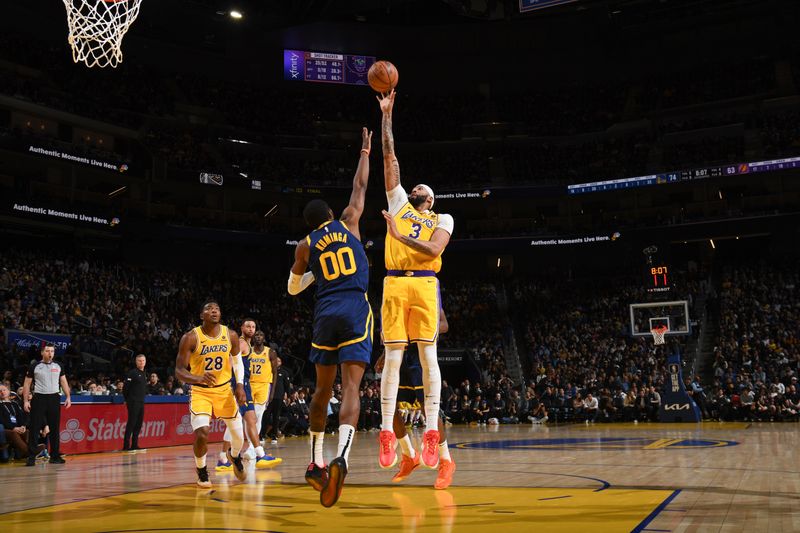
299, 279
352, 213
391, 168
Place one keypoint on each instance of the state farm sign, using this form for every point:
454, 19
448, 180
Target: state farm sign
88, 428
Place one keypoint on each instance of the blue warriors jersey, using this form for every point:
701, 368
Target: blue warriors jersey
246, 362
337, 259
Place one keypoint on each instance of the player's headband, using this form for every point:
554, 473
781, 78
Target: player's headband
429, 191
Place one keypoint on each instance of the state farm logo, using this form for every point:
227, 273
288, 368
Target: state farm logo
72, 432
185, 427
100, 429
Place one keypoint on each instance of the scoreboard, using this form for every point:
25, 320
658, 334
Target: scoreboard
734, 169
325, 67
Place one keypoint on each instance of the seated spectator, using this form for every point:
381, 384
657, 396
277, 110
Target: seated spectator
13, 420
370, 415
590, 408
155, 387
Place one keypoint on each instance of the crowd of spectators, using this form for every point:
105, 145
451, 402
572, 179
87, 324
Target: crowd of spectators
757, 358
578, 361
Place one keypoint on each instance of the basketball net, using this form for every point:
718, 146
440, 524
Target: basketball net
658, 334
96, 29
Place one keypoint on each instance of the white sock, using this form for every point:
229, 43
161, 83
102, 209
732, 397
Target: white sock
390, 380
260, 408
431, 384
444, 452
316, 448
260, 451
223, 457
407, 447
346, 432
200, 462
237, 435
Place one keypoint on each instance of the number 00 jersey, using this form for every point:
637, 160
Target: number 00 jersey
212, 354
337, 259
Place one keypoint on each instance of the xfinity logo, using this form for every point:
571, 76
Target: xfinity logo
676, 407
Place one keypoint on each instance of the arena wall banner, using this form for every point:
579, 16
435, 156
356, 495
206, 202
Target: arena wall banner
100, 427
76, 157
24, 340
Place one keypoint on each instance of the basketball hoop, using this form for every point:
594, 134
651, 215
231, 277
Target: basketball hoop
96, 29
658, 334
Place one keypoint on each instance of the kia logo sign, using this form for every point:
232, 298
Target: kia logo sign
676, 407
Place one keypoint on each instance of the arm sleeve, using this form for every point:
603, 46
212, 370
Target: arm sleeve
446, 223
298, 284
238, 369
397, 198
31, 371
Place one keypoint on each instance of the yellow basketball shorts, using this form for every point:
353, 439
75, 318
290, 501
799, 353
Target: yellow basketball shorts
260, 392
410, 311
214, 401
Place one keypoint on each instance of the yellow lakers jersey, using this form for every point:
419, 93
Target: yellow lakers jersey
212, 354
417, 226
260, 367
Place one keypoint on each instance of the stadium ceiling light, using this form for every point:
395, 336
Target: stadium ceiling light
714, 246
236, 14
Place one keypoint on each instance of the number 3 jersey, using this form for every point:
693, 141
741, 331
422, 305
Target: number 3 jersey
416, 225
337, 259
212, 354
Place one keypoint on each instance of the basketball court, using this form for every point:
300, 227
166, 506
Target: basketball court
616, 477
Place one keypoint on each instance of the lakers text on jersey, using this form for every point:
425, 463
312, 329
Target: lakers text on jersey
260, 375
212, 354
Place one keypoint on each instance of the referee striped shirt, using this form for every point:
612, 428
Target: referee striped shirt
45, 377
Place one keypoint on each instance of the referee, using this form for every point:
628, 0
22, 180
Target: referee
134, 390
45, 407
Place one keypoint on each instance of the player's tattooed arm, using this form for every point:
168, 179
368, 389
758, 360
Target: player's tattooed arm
432, 248
391, 167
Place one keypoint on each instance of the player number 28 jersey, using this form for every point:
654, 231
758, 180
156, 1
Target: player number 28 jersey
212, 354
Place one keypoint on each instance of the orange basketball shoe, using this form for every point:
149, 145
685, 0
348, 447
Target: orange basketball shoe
407, 465
387, 442
430, 448
445, 477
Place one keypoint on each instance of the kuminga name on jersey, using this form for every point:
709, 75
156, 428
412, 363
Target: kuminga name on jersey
337, 259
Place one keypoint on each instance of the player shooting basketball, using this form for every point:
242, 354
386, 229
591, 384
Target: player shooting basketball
415, 240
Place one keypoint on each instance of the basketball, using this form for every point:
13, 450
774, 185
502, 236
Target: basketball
382, 76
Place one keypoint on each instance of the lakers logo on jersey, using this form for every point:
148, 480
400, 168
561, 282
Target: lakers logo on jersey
212, 354
260, 367
213, 349
416, 225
